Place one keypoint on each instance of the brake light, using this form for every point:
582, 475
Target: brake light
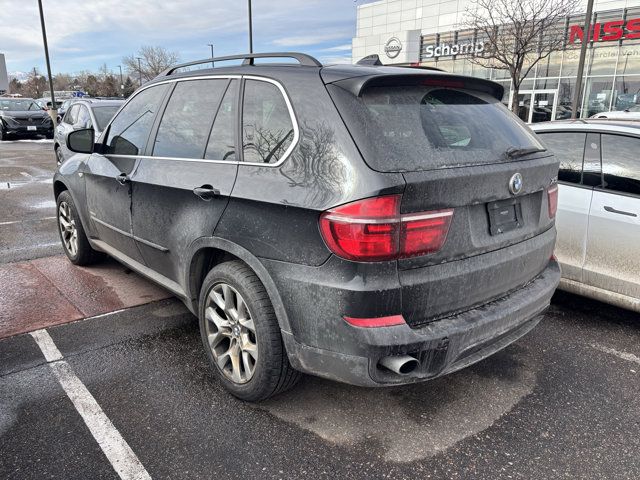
374, 230
552, 195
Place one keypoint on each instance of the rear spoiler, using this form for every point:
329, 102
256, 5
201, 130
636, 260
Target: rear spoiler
356, 85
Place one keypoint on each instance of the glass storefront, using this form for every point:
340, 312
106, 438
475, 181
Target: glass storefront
611, 73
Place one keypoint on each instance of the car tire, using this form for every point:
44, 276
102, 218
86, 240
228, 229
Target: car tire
3, 135
74, 241
250, 334
59, 157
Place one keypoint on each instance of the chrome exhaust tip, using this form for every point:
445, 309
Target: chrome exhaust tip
400, 364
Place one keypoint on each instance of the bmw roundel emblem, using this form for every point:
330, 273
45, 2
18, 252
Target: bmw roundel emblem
515, 183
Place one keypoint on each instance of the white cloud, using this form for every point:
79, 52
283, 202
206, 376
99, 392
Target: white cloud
314, 39
339, 48
114, 28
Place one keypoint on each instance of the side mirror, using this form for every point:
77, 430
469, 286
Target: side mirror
81, 141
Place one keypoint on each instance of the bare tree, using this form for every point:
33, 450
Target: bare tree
518, 34
153, 60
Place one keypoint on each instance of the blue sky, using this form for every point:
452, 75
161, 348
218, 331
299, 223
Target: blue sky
83, 35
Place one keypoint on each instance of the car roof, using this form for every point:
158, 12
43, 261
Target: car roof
361, 74
95, 102
589, 125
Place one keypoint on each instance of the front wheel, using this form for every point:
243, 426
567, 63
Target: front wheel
74, 240
241, 335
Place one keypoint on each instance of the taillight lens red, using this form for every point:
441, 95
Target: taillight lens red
373, 230
552, 194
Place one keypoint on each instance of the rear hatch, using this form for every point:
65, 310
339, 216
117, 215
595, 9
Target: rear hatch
458, 148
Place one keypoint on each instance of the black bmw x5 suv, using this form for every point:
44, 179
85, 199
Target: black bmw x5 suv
367, 224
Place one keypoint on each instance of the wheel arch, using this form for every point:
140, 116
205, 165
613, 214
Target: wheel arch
207, 252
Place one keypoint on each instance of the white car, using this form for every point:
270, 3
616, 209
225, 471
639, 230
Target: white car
598, 219
631, 113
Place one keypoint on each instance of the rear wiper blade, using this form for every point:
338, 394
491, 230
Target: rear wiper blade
515, 152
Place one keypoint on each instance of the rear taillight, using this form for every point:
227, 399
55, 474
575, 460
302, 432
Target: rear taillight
373, 230
552, 195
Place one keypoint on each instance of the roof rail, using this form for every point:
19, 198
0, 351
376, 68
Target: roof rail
248, 59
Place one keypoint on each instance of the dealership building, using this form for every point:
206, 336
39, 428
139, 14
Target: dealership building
430, 33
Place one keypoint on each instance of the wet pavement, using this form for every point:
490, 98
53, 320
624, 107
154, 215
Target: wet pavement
562, 402
27, 223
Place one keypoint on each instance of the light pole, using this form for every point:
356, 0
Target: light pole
250, 30
53, 111
583, 54
212, 62
139, 70
121, 82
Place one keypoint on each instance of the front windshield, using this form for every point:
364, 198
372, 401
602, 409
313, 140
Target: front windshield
19, 105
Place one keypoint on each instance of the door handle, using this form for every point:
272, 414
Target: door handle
122, 178
620, 212
206, 192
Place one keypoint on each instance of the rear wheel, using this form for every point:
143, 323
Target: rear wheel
74, 240
241, 334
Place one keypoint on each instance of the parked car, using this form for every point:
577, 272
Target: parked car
66, 104
631, 113
23, 117
372, 225
599, 208
83, 113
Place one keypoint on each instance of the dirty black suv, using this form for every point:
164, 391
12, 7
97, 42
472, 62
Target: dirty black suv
368, 224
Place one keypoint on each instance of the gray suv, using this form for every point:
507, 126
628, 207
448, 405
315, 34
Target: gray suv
372, 225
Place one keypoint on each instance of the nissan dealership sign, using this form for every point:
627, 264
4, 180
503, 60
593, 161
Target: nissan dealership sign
448, 50
393, 47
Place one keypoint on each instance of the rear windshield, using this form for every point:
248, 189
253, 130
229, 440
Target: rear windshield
423, 128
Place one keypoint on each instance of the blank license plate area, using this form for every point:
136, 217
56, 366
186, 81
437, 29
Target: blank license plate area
504, 215
31, 128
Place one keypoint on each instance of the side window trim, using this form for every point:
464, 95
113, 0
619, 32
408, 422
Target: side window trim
292, 117
154, 129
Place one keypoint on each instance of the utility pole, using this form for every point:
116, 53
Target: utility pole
121, 82
140, 70
53, 111
212, 62
250, 30
583, 53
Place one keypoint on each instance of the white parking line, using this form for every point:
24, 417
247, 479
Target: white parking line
115, 448
629, 357
28, 220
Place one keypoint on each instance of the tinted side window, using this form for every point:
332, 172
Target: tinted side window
186, 122
84, 119
130, 129
621, 163
71, 116
222, 141
568, 147
267, 130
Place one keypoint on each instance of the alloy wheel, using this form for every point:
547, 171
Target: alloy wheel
68, 229
231, 333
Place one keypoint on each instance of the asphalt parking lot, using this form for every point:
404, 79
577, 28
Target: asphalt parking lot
128, 393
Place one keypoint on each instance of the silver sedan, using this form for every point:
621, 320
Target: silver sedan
598, 219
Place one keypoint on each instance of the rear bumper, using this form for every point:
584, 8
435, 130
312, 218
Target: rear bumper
442, 346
